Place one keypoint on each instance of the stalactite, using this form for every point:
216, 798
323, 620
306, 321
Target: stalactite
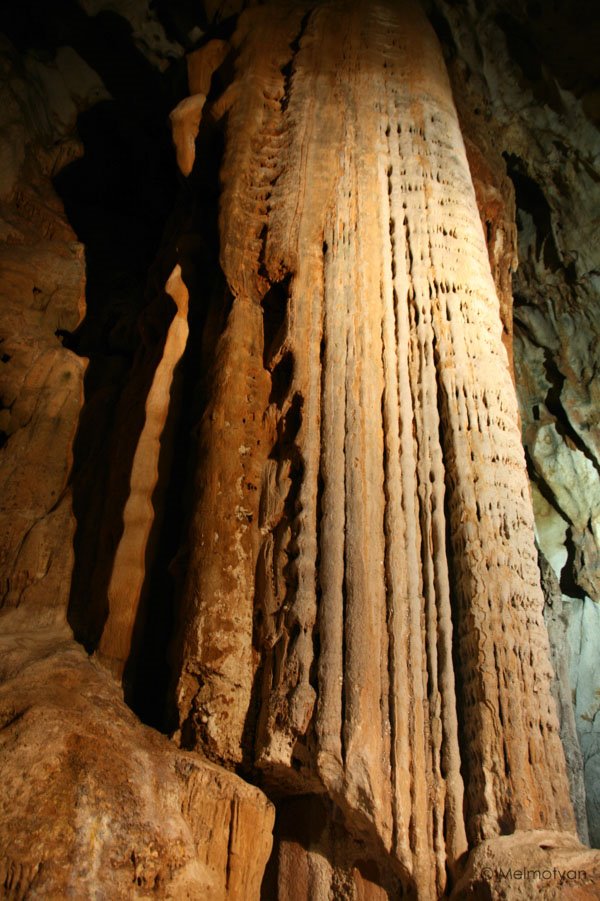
129, 567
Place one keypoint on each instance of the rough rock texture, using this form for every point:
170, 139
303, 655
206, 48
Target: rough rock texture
526, 82
357, 612
541, 865
362, 616
96, 805
93, 803
43, 277
557, 622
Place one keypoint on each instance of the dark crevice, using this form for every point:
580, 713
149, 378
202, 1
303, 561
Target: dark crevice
281, 379
389, 598
530, 198
346, 550
274, 305
443, 32
568, 582
554, 405
287, 70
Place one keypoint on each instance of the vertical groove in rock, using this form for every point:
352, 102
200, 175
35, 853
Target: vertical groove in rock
362, 411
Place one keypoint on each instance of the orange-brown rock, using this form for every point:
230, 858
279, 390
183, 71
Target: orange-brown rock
129, 567
362, 614
202, 63
540, 864
42, 269
94, 803
360, 628
185, 121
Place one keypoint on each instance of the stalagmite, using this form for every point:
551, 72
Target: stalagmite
362, 617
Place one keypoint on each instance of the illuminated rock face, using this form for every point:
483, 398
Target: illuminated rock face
362, 617
93, 803
360, 627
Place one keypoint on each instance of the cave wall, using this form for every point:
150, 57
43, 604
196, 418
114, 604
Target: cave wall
225, 330
93, 801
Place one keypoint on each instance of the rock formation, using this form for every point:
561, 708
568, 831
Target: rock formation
526, 86
92, 801
354, 613
361, 456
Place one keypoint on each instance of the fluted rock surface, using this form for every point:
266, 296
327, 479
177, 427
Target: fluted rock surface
360, 628
363, 616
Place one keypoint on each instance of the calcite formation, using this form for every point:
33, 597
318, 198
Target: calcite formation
362, 614
129, 567
526, 85
93, 803
359, 632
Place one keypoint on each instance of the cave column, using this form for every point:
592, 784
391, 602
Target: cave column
363, 577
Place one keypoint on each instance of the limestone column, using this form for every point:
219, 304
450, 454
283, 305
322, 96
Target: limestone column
362, 617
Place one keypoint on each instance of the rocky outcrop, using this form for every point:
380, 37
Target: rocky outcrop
541, 864
95, 802
43, 276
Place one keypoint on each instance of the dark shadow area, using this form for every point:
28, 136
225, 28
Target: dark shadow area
148, 676
311, 824
568, 583
182, 19
192, 241
530, 198
137, 218
443, 31
554, 41
117, 197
